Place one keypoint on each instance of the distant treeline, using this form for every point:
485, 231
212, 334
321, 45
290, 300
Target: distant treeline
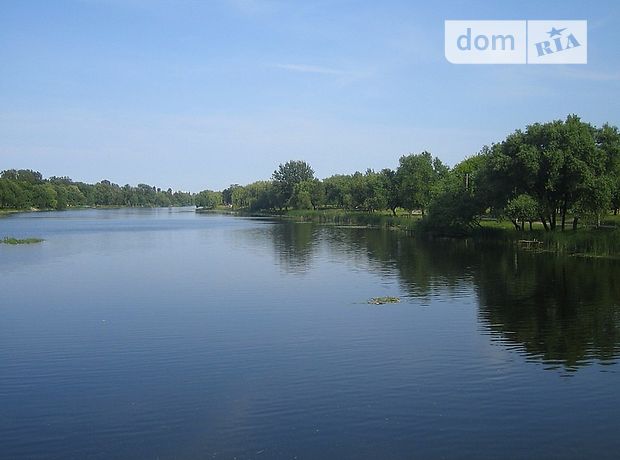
25, 189
546, 173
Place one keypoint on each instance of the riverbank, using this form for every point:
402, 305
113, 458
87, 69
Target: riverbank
588, 242
6, 212
380, 219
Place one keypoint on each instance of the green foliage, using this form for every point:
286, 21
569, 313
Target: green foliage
560, 164
337, 191
418, 175
287, 176
227, 194
208, 199
391, 188
260, 195
24, 189
522, 208
14, 241
595, 199
22, 175
383, 300
308, 194
460, 199
367, 191
44, 196
546, 172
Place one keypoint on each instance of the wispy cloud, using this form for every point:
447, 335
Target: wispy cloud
305, 68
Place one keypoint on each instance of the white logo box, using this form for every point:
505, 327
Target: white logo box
516, 42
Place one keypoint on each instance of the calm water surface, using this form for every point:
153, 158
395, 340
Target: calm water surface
166, 334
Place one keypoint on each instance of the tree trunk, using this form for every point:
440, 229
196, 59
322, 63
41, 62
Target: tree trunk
575, 220
516, 224
394, 212
564, 206
530, 225
544, 222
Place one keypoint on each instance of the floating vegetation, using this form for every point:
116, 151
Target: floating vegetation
9, 240
383, 300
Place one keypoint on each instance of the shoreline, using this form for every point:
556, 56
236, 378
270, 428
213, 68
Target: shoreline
6, 212
587, 243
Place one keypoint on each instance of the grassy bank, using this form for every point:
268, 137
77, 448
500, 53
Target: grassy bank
405, 222
584, 242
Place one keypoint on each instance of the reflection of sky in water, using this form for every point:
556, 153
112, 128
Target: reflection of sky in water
144, 333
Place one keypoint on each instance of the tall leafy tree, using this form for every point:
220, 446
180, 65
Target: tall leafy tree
418, 175
208, 199
287, 176
309, 194
391, 186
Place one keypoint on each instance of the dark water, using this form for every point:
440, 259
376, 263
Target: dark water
165, 334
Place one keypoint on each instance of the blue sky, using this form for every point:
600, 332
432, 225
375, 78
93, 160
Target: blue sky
201, 94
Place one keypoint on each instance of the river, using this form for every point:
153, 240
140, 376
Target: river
162, 333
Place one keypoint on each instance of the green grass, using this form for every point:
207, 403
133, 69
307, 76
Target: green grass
10, 240
380, 219
586, 241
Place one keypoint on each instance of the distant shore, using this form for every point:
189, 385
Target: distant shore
6, 212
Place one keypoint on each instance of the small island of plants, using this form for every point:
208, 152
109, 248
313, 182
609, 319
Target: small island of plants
14, 241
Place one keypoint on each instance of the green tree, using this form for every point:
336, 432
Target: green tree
391, 187
418, 175
75, 197
287, 176
260, 195
309, 194
338, 191
521, 209
552, 162
608, 140
44, 196
62, 196
14, 195
460, 198
595, 199
367, 191
227, 194
22, 175
208, 199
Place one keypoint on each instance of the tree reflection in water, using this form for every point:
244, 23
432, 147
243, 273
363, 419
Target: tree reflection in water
560, 310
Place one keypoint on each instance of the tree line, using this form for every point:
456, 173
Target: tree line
25, 189
547, 173
556, 173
